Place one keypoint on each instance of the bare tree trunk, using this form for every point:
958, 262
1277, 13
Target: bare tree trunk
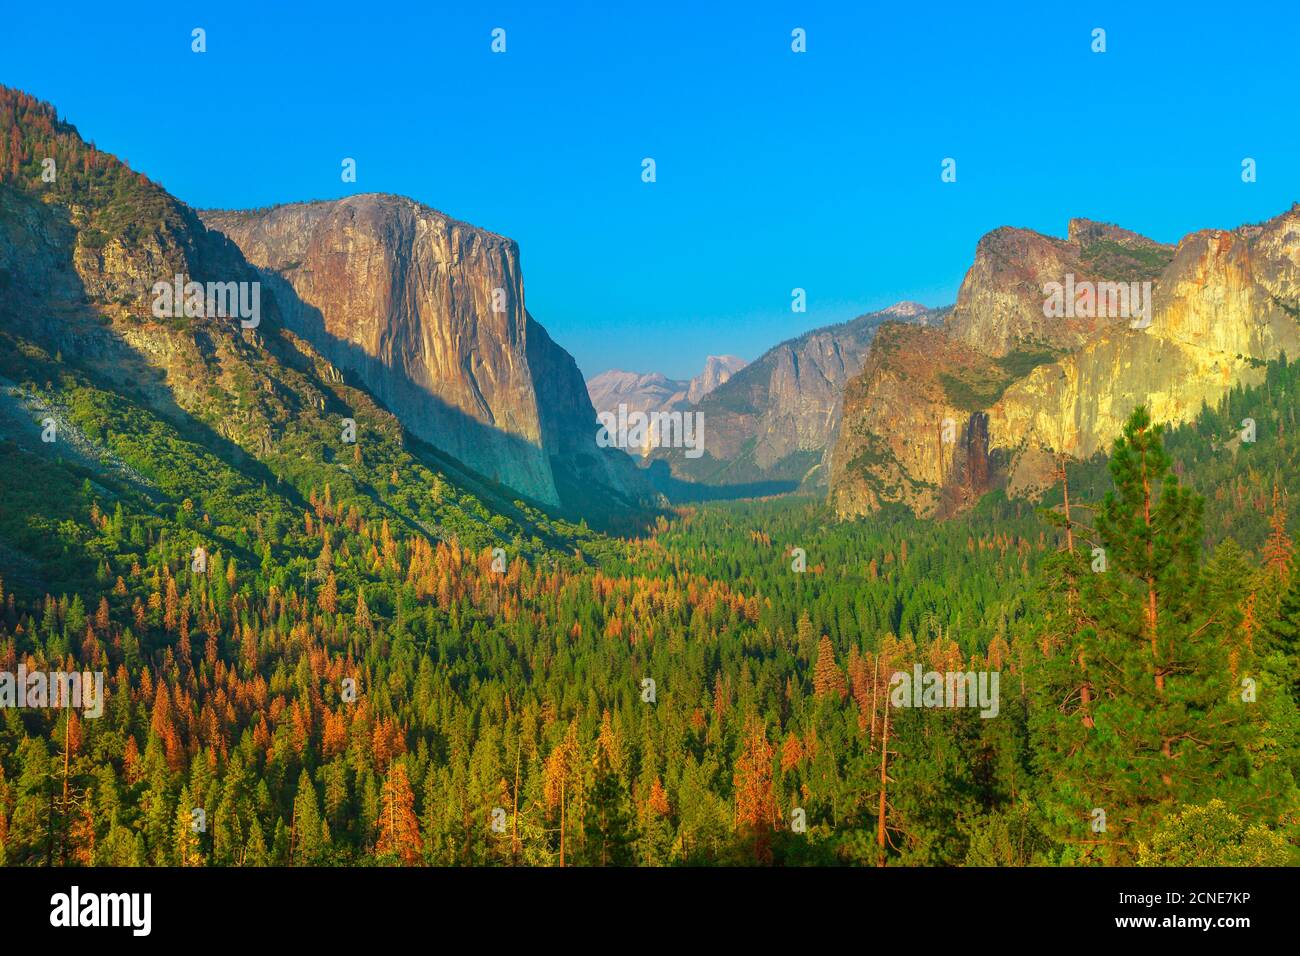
514, 822
1085, 690
884, 759
875, 682
63, 806
1151, 581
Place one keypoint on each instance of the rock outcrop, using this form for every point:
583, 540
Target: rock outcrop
1032, 388
428, 314
419, 311
718, 370
999, 306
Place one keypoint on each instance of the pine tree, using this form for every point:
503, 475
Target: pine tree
255, 852
1278, 549
1167, 729
309, 836
185, 846
361, 618
561, 784
328, 598
828, 679
399, 828
610, 834
656, 830
1282, 634
755, 800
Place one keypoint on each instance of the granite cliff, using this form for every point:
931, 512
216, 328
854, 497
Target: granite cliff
408, 307
1002, 390
428, 314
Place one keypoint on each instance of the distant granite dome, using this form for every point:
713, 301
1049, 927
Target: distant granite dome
654, 391
717, 370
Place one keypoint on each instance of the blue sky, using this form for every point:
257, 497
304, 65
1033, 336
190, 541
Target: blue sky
776, 170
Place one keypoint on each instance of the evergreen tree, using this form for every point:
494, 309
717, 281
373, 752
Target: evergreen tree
310, 835
1166, 728
828, 679
755, 803
608, 824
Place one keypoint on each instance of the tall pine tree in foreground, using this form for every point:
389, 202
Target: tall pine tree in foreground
1166, 723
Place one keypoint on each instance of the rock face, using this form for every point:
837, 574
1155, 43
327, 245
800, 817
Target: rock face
1018, 390
774, 420
428, 313
718, 369
999, 306
906, 433
401, 298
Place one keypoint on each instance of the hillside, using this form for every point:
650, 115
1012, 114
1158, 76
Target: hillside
193, 416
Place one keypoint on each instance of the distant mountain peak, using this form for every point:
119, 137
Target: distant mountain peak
717, 370
905, 309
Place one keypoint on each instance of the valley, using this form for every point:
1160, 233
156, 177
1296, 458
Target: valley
430, 599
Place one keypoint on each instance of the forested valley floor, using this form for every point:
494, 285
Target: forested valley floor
340, 658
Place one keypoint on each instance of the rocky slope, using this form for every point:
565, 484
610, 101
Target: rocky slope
1019, 389
78, 272
774, 420
639, 392
904, 435
428, 313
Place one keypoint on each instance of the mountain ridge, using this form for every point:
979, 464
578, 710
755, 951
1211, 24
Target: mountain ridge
80, 260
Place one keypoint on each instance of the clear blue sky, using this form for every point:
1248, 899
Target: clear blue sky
775, 170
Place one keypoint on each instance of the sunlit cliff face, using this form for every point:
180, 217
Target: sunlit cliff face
1220, 309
